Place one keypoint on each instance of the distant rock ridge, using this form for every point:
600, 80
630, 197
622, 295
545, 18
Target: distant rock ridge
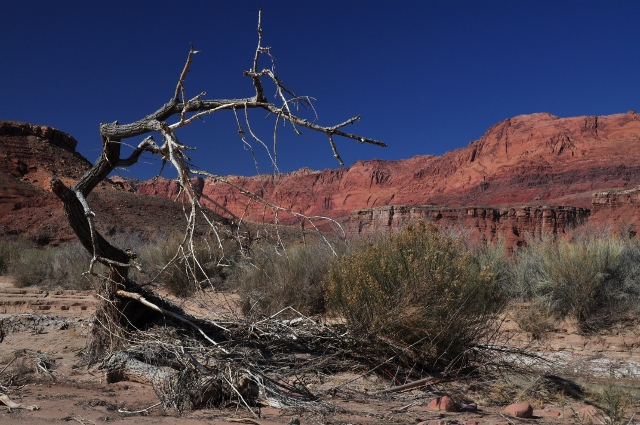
536, 159
30, 155
45, 133
519, 163
612, 199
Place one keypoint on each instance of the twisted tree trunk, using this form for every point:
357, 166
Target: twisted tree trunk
126, 305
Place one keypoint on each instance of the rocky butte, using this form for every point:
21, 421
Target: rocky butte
526, 174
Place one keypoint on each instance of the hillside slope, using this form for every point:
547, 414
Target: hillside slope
30, 155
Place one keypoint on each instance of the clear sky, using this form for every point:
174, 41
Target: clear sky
426, 76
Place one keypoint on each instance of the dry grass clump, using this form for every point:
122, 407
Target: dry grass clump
182, 271
270, 280
10, 250
52, 267
421, 290
593, 280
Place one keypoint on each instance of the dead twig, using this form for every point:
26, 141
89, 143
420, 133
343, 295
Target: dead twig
152, 306
134, 412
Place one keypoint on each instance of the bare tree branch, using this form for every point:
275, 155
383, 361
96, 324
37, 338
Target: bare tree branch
118, 318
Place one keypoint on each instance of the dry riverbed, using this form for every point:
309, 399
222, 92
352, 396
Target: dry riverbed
43, 334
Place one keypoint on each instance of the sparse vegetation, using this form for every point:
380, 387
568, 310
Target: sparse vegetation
421, 290
9, 251
183, 271
593, 280
271, 280
52, 267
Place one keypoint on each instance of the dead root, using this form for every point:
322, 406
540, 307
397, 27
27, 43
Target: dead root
195, 363
11, 405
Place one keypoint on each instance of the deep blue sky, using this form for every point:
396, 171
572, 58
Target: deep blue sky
426, 76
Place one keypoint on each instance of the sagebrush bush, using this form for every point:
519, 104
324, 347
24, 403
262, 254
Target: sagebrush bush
593, 280
51, 267
9, 251
183, 271
269, 281
423, 290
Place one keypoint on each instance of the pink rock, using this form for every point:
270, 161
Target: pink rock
472, 422
588, 413
520, 410
443, 403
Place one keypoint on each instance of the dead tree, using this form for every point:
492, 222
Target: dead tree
126, 305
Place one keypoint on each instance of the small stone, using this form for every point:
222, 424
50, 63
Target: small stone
443, 403
520, 410
294, 421
472, 407
472, 422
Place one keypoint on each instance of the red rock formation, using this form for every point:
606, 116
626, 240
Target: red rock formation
513, 224
528, 159
619, 210
614, 199
166, 188
30, 155
525, 160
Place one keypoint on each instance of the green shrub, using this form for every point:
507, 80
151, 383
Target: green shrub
593, 280
270, 281
422, 290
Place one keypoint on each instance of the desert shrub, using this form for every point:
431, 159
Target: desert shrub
10, 250
51, 267
180, 271
593, 280
269, 281
70, 261
32, 267
420, 289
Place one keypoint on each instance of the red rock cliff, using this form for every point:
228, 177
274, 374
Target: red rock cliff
528, 159
513, 224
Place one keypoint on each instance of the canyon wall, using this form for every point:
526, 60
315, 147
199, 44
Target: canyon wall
514, 224
525, 160
536, 159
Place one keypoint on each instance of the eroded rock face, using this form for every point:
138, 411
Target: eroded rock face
167, 188
613, 199
513, 224
536, 159
525, 160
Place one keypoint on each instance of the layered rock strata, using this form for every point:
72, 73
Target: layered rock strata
613, 199
515, 225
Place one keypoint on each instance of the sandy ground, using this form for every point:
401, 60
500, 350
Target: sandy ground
44, 333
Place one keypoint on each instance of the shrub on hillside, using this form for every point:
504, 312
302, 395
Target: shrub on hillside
422, 290
9, 251
270, 281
